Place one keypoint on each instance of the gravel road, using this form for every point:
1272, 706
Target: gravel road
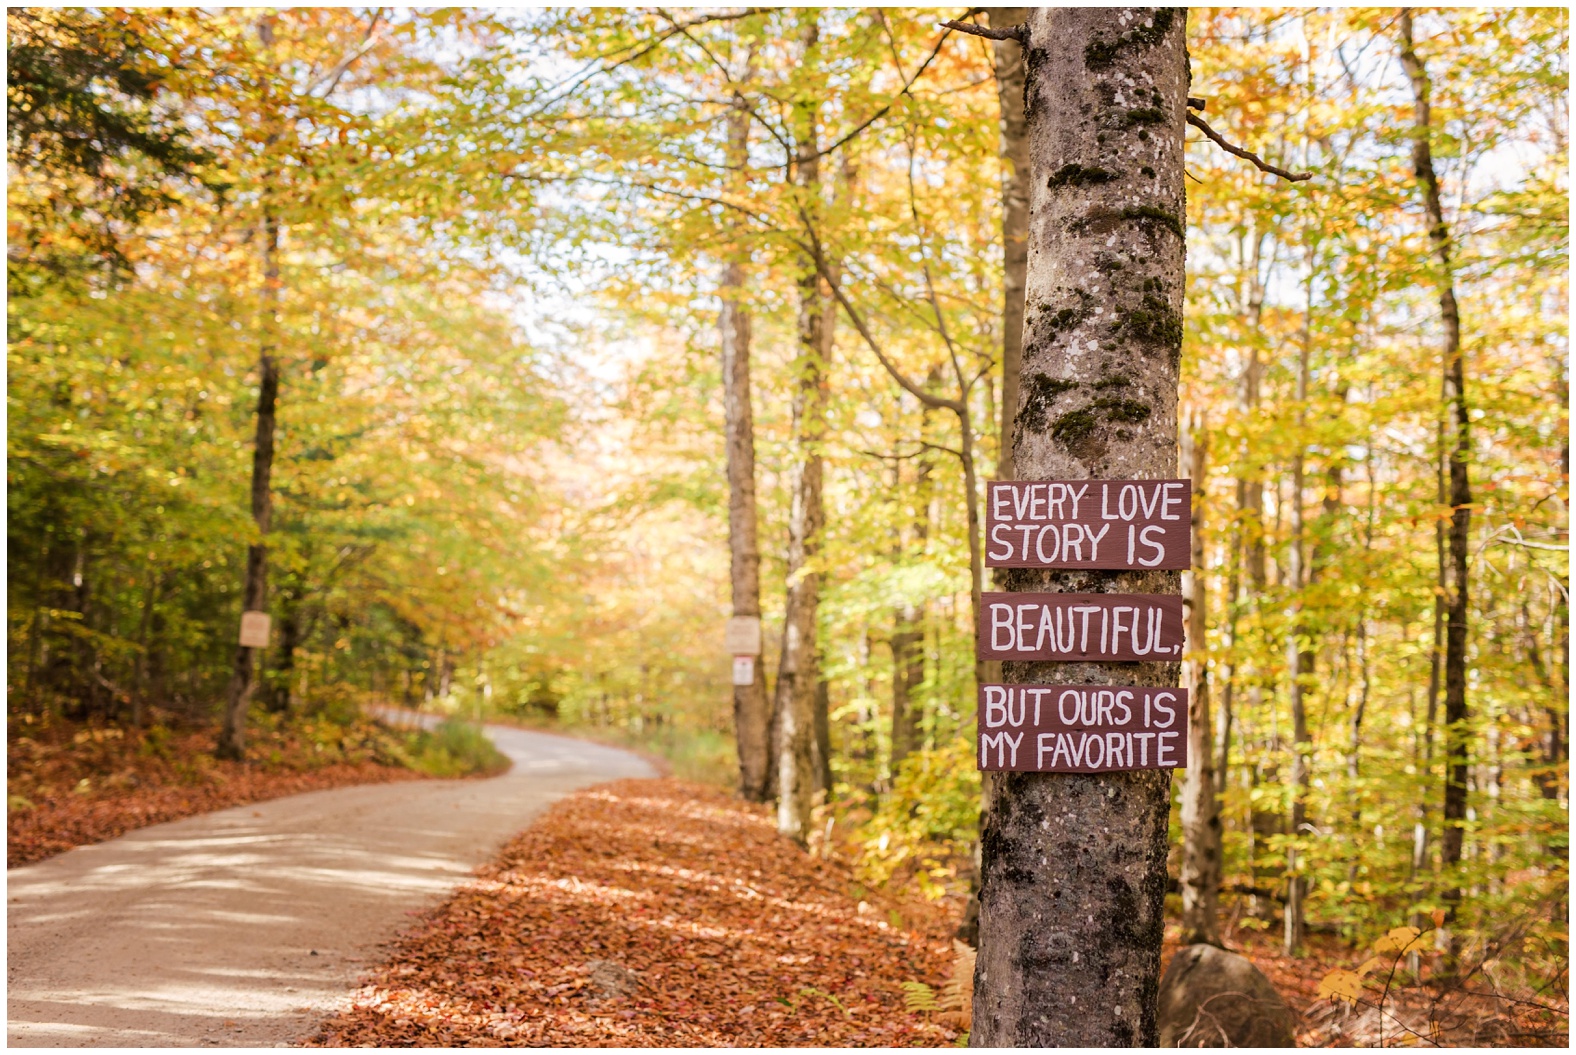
246, 926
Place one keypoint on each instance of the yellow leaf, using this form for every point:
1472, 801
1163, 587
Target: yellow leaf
1400, 940
1341, 984
1373, 963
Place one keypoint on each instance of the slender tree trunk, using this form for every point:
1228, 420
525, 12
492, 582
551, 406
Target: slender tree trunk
798, 671
1010, 71
908, 633
1201, 832
1436, 657
232, 737
908, 672
1299, 661
821, 743
1073, 865
139, 692
1459, 446
751, 720
1011, 75
1249, 515
281, 690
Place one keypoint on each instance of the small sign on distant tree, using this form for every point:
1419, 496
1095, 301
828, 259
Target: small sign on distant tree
1112, 524
254, 629
1081, 728
743, 636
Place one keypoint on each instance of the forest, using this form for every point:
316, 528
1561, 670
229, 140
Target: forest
501, 358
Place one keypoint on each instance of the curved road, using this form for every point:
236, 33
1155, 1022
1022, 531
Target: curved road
246, 926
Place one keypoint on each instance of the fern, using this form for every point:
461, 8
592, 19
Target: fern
917, 997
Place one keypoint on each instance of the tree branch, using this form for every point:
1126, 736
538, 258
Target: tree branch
1018, 33
368, 41
929, 399
1247, 155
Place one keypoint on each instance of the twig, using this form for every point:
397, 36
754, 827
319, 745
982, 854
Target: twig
1019, 33
368, 41
1247, 155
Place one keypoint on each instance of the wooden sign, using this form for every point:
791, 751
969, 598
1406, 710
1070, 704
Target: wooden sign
1112, 524
743, 636
1104, 627
254, 629
1081, 728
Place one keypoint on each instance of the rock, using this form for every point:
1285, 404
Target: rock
611, 980
1210, 998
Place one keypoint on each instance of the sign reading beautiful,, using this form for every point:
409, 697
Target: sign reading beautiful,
1081, 728
1103, 627
1111, 524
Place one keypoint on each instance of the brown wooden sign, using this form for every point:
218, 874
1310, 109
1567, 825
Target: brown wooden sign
1112, 524
1104, 627
1081, 728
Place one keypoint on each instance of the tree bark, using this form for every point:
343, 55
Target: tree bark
798, 671
1014, 149
751, 720
1299, 657
1458, 444
1250, 501
1201, 831
1073, 865
281, 689
908, 630
232, 736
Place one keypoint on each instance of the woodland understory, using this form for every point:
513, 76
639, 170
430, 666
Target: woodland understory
501, 357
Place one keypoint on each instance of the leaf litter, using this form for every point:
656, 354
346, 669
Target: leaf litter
657, 913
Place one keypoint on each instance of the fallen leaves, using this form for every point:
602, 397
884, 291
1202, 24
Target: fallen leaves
79, 787
655, 913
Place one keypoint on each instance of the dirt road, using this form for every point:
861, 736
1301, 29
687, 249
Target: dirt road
244, 927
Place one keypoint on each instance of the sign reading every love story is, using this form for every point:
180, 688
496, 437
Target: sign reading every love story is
1112, 524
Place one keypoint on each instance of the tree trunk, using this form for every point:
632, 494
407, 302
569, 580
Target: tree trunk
232, 737
1014, 150
821, 744
1299, 658
1250, 499
1201, 833
139, 694
281, 689
908, 672
908, 630
1459, 447
1073, 865
798, 671
751, 722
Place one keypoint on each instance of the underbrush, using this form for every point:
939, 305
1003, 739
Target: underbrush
454, 749
74, 783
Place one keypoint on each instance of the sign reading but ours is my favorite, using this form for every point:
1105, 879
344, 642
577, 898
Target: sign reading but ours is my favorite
1101, 627
1081, 728
1111, 524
